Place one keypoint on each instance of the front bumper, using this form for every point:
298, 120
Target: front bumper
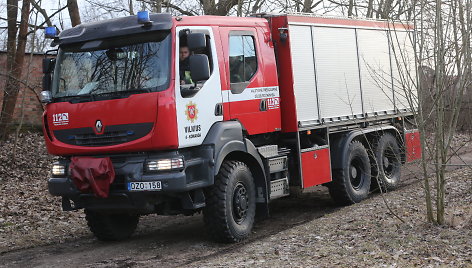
197, 174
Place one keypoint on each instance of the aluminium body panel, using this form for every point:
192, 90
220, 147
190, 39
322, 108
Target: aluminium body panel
355, 71
304, 80
404, 73
337, 72
375, 71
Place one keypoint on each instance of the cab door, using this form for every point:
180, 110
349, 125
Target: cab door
197, 113
251, 92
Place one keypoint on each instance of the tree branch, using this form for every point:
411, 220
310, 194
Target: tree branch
46, 19
29, 24
316, 4
28, 86
184, 12
43, 12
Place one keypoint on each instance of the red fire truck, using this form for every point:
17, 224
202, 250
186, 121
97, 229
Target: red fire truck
262, 104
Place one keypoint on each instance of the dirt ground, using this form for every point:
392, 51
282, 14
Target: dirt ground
308, 230
367, 234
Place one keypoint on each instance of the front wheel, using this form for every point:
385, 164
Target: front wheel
111, 227
231, 203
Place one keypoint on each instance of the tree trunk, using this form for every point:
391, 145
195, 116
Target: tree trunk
256, 6
73, 12
12, 14
156, 6
351, 8
370, 9
220, 9
386, 10
240, 8
131, 10
12, 84
307, 6
379, 10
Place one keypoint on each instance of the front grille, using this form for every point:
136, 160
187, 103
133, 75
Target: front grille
110, 138
113, 134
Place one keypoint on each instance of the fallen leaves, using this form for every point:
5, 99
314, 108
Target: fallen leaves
361, 235
29, 215
366, 235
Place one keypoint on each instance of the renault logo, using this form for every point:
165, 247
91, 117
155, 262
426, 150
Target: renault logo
98, 126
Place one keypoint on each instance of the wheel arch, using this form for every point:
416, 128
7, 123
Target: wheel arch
229, 144
254, 162
339, 142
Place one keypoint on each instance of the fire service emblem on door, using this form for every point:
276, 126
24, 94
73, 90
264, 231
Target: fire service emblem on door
99, 126
191, 112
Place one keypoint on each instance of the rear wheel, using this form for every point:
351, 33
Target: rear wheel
351, 183
231, 203
111, 227
388, 162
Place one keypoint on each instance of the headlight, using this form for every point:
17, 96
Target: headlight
165, 164
58, 169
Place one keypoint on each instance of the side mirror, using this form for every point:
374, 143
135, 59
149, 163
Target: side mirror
48, 67
199, 67
199, 71
46, 96
196, 41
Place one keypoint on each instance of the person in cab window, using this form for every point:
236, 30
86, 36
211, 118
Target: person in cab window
184, 65
240, 69
236, 69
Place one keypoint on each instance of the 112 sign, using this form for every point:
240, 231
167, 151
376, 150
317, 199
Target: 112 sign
60, 119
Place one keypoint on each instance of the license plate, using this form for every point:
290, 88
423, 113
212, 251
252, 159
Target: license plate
144, 186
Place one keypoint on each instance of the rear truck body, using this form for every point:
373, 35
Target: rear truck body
273, 102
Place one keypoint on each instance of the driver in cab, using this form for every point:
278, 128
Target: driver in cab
184, 66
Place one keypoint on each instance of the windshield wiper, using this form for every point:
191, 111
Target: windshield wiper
76, 98
125, 92
102, 96
136, 90
120, 94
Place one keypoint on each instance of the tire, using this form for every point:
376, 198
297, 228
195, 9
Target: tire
111, 227
351, 184
231, 203
388, 163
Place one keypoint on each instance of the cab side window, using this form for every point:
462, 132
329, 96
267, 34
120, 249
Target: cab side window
184, 57
242, 61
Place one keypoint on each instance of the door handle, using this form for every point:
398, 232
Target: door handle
263, 105
219, 109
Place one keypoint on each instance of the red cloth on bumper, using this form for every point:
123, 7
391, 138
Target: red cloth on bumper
92, 174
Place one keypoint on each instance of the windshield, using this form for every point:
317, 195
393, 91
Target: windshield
139, 67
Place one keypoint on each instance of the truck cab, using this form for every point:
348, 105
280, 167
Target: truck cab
117, 93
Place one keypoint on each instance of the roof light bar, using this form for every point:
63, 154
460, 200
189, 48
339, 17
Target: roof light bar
50, 32
143, 17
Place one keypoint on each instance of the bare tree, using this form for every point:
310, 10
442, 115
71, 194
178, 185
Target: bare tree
17, 42
443, 42
14, 67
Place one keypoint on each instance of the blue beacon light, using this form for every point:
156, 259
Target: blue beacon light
143, 17
50, 32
